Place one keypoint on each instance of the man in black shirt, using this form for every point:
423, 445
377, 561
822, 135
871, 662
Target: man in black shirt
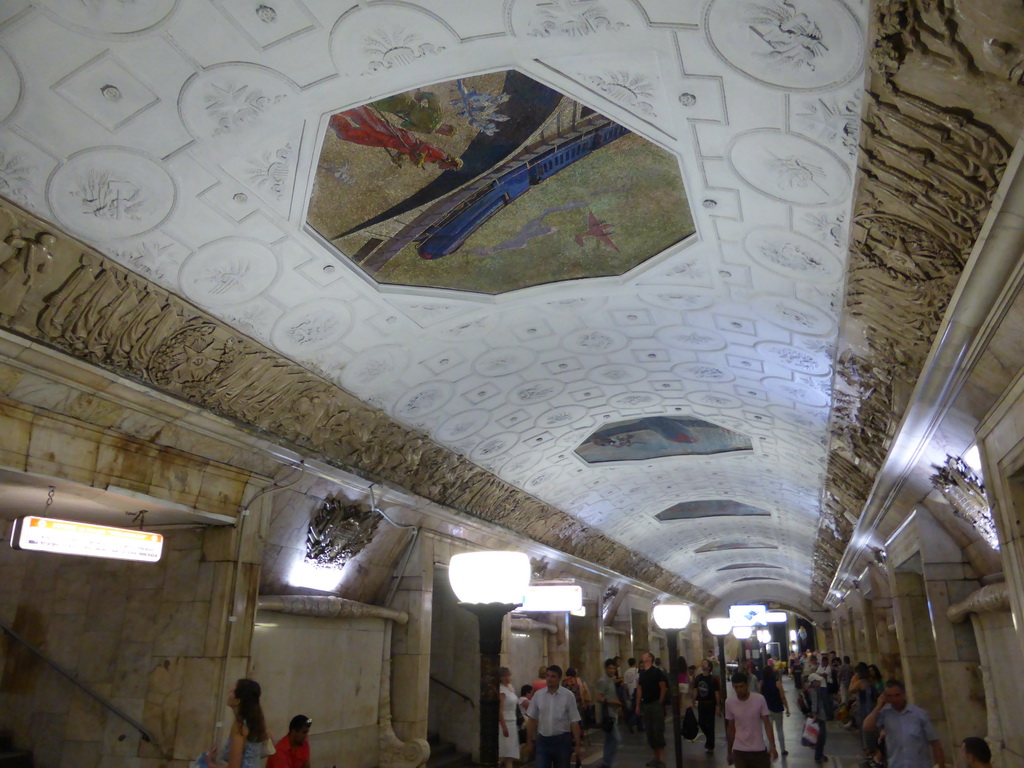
707, 699
651, 694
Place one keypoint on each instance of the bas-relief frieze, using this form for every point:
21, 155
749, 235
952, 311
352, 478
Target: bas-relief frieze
944, 104
61, 293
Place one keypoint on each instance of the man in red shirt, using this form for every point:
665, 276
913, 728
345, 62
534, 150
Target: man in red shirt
293, 749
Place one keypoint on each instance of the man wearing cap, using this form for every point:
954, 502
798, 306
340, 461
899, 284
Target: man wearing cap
821, 711
293, 750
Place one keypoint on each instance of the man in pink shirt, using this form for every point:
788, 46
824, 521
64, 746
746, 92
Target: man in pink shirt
746, 724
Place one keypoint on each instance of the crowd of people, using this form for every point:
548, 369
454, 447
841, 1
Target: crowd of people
556, 711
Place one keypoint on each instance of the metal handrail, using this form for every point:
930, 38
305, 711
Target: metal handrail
146, 736
460, 694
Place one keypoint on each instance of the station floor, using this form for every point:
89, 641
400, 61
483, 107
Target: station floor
842, 748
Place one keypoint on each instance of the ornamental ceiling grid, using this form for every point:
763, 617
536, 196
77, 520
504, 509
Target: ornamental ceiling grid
184, 140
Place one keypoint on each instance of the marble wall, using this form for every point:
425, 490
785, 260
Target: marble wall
326, 669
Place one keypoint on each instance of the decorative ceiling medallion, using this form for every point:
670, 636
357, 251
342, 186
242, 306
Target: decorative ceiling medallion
702, 372
595, 341
793, 358
692, 339
793, 255
704, 508
714, 399
230, 101
796, 392
10, 94
517, 465
617, 374
790, 44
471, 184
567, 19
564, 416
463, 425
379, 363
535, 392
423, 400
494, 446
794, 315
228, 271
679, 299
503, 361
789, 168
805, 419
652, 437
109, 17
311, 326
108, 194
628, 400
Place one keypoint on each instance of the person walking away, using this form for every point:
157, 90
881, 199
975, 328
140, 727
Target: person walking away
910, 738
797, 670
864, 696
508, 736
244, 745
293, 750
771, 689
821, 711
706, 696
651, 695
845, 678
975, 753
553, 724
746, 725
629, 680
606, 693
525, 694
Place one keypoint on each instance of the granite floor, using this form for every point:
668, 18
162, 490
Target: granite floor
842, 747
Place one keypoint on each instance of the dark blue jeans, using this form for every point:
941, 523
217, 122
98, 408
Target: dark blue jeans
819, 748
554, 751
611, 746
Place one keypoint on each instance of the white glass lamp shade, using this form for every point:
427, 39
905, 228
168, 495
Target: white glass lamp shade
672, 616
490, 577
742, 633
792, 635
719, 626
774, 617
764, 635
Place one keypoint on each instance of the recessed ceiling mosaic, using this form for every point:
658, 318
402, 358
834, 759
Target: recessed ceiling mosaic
693, 510
490, 184
654, 437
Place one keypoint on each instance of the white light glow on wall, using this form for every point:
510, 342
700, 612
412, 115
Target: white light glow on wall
312, 576
490, 577
545, 598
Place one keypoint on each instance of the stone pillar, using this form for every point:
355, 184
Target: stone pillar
949, 579
868, 650
410, 644
641, 633
586, 643
917, 648
558, 643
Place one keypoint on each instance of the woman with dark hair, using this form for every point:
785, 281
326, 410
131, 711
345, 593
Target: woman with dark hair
775, 698
243, 747
865, 685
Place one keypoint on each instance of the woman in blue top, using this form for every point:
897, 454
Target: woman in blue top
243, 747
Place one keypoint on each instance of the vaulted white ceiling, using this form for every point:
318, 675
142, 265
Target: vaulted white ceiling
197, 169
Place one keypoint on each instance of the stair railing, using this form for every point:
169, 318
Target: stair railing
146, 736
460, 694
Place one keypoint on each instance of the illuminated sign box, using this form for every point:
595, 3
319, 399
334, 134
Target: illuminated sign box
66, 537
747, 615
556, 597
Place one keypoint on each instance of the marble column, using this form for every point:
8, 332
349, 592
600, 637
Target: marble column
558, 642
917, 648
410, 644
641, 633
868, 648
949, 579
586, 643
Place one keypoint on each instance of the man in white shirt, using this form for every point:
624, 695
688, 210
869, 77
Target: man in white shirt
553, 723
747, 723
629, 680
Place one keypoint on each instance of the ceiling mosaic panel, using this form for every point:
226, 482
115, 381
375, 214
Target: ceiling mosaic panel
476, 183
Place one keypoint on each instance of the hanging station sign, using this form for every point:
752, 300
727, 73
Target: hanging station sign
67, 537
